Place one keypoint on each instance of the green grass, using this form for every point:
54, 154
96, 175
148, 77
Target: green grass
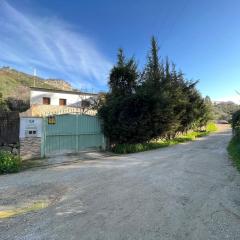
234, 151
140, 147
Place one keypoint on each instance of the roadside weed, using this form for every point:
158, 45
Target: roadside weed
9, 163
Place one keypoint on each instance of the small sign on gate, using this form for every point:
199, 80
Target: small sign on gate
51, 120
30, 127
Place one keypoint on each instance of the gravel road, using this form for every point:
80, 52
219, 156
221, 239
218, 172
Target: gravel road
186, 192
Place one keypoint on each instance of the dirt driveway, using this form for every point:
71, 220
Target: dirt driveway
184, 192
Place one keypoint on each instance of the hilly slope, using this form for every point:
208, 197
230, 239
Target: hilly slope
224, 110
16, 84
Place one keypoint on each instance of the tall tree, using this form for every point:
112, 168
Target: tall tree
162, 104
123, 76
153, 72
122, 83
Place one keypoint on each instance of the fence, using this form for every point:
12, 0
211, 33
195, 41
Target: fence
9, 127
59, 134
71, 133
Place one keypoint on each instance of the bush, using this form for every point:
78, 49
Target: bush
236, 123
236, 119
141, 147
138, 147
234, 144
234, 151
211, 127
9, 163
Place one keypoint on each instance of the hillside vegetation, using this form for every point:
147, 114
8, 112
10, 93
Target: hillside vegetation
16, 84
224, 110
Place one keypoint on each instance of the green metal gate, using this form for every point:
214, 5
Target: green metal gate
71, 133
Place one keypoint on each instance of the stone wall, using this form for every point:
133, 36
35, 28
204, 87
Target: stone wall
30, 147
11, 147
46, 110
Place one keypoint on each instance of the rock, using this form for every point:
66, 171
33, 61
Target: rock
5, 148
15, 151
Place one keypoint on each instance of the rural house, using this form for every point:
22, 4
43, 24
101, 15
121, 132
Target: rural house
45, 102
59, 121
41, 96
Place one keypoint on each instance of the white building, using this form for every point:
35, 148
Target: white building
42, 96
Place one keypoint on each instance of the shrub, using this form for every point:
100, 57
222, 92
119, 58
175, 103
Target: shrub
236, 123
140, 147
211, 127
9, 163
234, 144
234, 151
236, 119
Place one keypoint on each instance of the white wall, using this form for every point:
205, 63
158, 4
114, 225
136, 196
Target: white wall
30, 124
72, 99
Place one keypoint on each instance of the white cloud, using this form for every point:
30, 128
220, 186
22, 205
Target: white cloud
233, 98
51, 45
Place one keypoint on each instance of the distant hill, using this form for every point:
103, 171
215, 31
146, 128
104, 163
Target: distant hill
16, 84
224, 110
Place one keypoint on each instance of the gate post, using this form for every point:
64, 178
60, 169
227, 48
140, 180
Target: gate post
43, 149
76, 132
103, 142
31, 137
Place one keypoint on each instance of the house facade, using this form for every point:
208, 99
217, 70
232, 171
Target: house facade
46, 102
59, 118
41, 96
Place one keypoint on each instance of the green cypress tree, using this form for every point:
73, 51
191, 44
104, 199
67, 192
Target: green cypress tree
160, 105
123, 76
153, 72
122, 83
156, 84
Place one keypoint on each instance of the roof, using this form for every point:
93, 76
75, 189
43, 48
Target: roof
61, 91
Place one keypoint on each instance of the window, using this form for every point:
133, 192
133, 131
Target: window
62, 102
46, 100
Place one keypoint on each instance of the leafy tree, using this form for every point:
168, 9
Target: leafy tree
3, 105
17, 104
224, 110
208, 111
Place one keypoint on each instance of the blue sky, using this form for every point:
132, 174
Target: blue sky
78, 40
